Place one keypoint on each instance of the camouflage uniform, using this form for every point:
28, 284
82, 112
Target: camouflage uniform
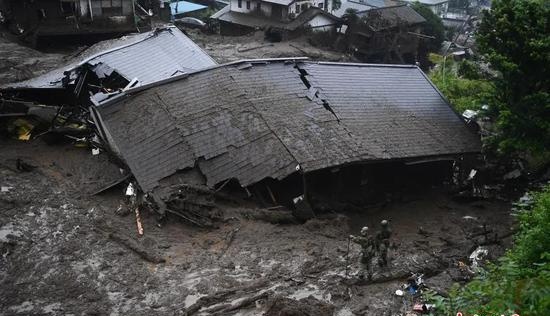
383, 243
367, 250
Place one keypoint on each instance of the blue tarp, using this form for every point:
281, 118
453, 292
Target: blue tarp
181, 7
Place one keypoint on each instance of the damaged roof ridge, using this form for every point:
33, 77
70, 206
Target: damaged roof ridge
114, 49
137, 89
334, 63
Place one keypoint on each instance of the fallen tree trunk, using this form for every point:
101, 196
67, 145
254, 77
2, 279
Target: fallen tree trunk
137, 248
222, 295
242, 303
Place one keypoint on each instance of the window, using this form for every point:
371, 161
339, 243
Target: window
248, 5
259, 6
240, 3
320, 5
68, 6
297, 8
111, 7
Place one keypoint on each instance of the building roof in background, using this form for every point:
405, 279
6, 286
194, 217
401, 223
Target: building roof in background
150, 57
390, 17
226, 15
428, 2
308, 15
181, 7
281, 2
364, 5
254, 21
252, 120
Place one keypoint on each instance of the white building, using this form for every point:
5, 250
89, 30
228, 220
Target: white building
438, 7
242, 16
362, 5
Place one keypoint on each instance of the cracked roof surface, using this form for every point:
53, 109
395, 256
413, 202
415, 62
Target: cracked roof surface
258, 119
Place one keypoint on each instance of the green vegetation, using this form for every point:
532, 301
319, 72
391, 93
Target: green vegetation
462, 83
433, 26
513, 38
520, 281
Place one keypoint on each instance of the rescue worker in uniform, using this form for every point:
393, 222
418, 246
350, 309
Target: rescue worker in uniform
383, 243
367, 249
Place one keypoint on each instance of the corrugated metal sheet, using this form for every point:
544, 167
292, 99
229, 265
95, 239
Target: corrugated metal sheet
162, 55
261, 121
149, 57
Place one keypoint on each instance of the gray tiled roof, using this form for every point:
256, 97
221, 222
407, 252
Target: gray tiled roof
253, 120
389, 17
150, 57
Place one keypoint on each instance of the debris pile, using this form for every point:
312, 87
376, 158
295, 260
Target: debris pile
57, 103
264, 126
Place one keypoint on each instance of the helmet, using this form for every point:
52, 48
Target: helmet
364, 230
384, 223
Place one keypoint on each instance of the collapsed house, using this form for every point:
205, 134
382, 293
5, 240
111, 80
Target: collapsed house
387, 34
275, 127
287, 132
99, 73
109, 66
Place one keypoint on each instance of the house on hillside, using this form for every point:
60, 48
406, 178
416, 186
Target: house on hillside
439, 7
389, 35
45, 18
286, 16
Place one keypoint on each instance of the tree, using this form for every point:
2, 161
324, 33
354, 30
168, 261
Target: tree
463, 85
433, 26
514, 38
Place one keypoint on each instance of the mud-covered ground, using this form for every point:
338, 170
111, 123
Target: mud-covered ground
59, 255
64, 251
231, 48
18, 62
